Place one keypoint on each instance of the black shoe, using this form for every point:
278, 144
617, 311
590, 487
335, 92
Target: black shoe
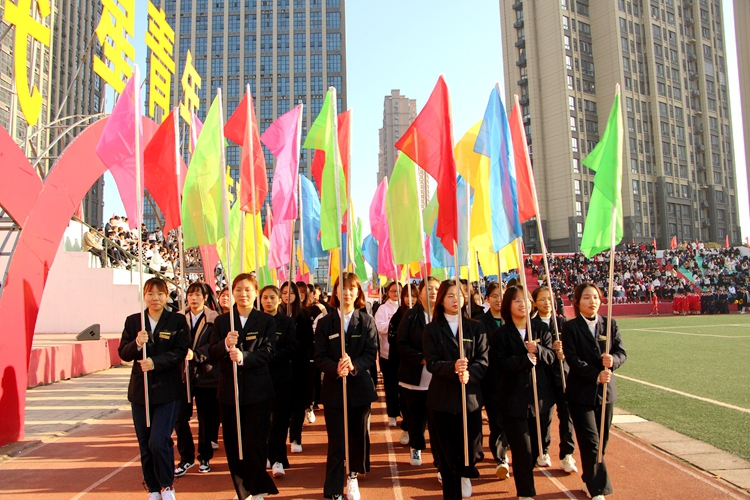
204, 466
182, 468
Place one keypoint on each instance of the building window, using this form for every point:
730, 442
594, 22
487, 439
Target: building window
579, 209
300, 63
635, 187
577, 186
334, 63
316, 41
574, 144
576, 165
333, 20
316, 63
569, 63
217, 25
300, 43
282, 64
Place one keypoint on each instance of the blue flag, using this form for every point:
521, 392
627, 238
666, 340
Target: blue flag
311, 247
495, 142
370, 252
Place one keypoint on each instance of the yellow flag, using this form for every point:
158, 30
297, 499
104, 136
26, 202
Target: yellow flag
333, 265
475, 168
508, 259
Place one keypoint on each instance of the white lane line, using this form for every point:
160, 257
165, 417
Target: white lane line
689, 334
557, 483
676, 465
674, 391
397, 494
744, 325
107, 477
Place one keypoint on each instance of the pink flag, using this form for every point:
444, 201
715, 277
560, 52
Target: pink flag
281, 244
210, 259
195, 130
116, 147
303, 277
283, 139
379, 231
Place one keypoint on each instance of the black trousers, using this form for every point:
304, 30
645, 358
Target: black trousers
303, 394
522, 439
359, 446
389, 369
100, 254
447, 438
280, 419
248, 475
185, 445
208, 420
415, 416
155, 443
498, 441
587, 421
565, 427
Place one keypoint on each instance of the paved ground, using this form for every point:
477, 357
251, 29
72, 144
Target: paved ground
82, 446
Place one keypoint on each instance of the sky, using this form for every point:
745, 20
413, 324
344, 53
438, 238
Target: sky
406, 45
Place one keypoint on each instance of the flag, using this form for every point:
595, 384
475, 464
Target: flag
319, 158
673, 242
654, 244
606, 161
282, 138
429, 142
379, 229
321, 136
475, 168
370, 252
310, 220
359, 261
404, 223
726, 241
116, 147
525, 185
202, 222
239, 264
244, 132
280, 248
268, 229
494, 141
195, 130
160, 171
209, 258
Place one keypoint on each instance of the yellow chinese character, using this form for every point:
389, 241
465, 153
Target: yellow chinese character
160, 39
21, 16
117, 21
191, 82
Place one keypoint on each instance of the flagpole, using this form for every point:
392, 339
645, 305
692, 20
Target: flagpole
228, 269
499, 275
291, 269
350, 218
610, 286
427, 292
299, 193
251, 165
139, 221
468, 250
177, 155
540, 230
530, 338
301, 218
461, 355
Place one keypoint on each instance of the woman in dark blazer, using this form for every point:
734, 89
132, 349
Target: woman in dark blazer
584, 344
166, 339
515, 353
354, 364
251, 346
444, 402
281, 373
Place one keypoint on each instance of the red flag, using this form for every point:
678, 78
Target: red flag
654, 243
236, 130
429, 142
673, 243
269, 223
210, 258
344, 137
726, 242
524, 182
160, 171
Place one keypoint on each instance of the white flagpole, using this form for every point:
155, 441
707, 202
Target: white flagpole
612, 245
177, 154
461, 355
251, 164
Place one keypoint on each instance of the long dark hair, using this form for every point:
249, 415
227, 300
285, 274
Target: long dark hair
405, 297
349, 278
508, 298
579, 293
442, 292
296, 302
300, 285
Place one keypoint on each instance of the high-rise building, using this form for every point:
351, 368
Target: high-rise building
564, 60
741, 23
288, 51
398, 113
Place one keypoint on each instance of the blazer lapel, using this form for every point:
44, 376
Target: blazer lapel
446, 331
584, 327
515, 337
353, 324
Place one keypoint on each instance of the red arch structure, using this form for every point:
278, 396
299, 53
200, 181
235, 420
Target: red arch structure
43, 210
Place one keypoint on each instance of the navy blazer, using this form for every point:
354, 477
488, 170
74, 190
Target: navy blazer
583, 352
167, 348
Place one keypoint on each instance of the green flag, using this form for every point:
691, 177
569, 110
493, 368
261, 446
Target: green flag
235, 220
430, 213
322, 136
359, 260
404, 222
202, 222
606, 161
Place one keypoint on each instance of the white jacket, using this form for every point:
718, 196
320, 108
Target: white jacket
382, 319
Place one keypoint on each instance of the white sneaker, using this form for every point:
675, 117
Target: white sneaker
440, 478
154, 495
598, 497
585, 489
310, 416
392, 422
168, 493
525, 498
278, 470
352, 489
337, 497
259, 497
568, 464
544, 461
404, 439
296, 447
268, 464
214, 445
502, 470
465, 487
415, 457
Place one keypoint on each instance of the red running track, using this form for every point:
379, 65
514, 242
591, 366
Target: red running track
100, 461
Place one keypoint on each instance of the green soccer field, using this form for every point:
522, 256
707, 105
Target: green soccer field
704, 356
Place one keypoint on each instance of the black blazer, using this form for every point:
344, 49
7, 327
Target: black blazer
204, 372
553, 370
441, 353
257, 341
584, 356
509, 355
362, 348
167, 348
491, 379
304, 351
409, 345
281, 363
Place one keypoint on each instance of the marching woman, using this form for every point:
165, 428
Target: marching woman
224, 301
543, 305
204, 381
361, 348
303, 364
444, 401
251, 346
166, 339
516, 350
413, 376
498, 442
584, 344
390, 370
281, 373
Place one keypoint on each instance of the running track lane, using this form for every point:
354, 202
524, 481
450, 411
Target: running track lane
100, 461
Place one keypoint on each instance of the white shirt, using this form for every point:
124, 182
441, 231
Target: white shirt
592, 323
452, 320
243, 320
382, 319
347, 319
194, 318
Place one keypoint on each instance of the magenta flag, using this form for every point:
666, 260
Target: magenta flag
116, 147
195, 130
379, 231
282, 138
281, 244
